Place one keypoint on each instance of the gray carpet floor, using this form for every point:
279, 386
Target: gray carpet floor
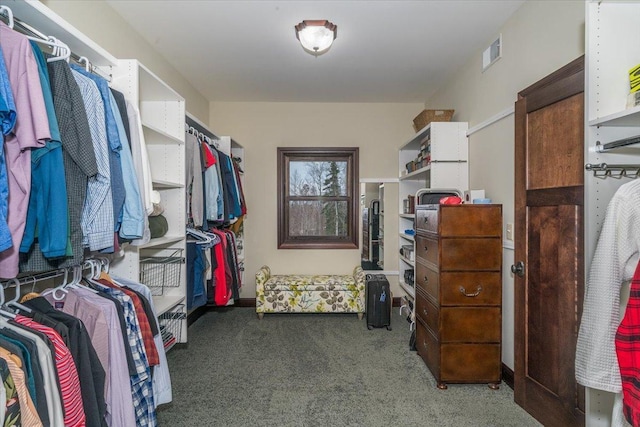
317, 370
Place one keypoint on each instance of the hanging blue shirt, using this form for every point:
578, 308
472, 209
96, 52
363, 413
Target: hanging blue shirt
8, 114
47, 212
133, 213
7, 123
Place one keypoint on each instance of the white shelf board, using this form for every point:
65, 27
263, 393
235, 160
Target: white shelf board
164, 303
407, 236
416, 174
152, 88
154, 132
162, 241
410, 290
407, 216
43, 19
629, 117
408, 261
166, 185
415, 141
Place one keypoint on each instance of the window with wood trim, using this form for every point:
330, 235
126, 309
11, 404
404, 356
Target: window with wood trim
317, 198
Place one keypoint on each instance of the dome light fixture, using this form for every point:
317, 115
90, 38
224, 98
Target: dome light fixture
316, 36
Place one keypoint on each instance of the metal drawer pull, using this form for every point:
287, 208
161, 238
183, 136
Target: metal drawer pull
424, 343
426, 248
426, 280
426, 219
424, 310
463, 291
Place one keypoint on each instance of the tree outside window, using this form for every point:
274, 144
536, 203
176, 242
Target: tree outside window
317, 198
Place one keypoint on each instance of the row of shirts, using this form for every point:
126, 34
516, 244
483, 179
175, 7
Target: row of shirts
214, 188
84, 356
74, 170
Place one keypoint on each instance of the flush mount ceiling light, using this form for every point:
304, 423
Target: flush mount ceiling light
316, 36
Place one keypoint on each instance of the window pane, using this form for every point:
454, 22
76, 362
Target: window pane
316, 218
311, 178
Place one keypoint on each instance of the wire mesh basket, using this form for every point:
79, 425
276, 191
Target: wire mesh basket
171, 326
162, 270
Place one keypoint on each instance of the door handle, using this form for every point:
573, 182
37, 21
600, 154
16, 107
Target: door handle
518, 268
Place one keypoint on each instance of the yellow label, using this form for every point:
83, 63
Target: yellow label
634, 78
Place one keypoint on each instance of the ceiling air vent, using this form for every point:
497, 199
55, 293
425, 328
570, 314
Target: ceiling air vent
492, 53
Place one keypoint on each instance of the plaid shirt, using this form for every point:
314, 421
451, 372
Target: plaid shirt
628, 352
141, 385
145, 326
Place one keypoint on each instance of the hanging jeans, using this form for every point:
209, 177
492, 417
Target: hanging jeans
196, 267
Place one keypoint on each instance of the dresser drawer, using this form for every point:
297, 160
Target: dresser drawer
471, 220
427, 220
428, 349
470, 324
427, 280
468, 363
427, 312
473, 288
426, 249
471, 254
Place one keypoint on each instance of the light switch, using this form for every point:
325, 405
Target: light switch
510, 232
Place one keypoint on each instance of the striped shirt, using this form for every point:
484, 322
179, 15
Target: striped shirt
67, 374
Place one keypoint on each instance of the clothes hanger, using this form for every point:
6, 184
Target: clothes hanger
4, 312
14, 302
60, 288
202, 238
5, 10
87, 64
60, 49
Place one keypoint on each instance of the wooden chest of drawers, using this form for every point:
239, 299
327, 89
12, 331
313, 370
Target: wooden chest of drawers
459, 292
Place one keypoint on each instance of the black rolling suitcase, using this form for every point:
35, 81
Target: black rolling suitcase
378, 301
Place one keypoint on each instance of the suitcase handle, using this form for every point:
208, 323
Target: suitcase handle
463, 291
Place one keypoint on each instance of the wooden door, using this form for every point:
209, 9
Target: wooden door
549, 200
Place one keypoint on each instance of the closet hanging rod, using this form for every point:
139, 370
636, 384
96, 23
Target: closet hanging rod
617, 144
28, 279
30, 31
198, 127
603, 170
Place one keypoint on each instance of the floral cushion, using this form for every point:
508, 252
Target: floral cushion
310, 283
319, 293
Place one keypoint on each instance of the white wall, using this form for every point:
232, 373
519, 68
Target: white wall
378, 129
539, 38
103, 25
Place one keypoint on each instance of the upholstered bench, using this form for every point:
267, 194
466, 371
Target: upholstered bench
320, 293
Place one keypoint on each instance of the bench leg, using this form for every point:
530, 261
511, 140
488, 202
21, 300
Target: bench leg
360, 316
260, 316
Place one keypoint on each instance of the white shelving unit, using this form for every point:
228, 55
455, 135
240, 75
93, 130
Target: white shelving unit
162, 112
231, 148
446, 142
612, 33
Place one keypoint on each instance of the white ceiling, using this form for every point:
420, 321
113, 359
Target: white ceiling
385, 51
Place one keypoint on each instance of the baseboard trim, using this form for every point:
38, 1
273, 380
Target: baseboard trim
242, 302
246, 302
196, 314
508, 376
